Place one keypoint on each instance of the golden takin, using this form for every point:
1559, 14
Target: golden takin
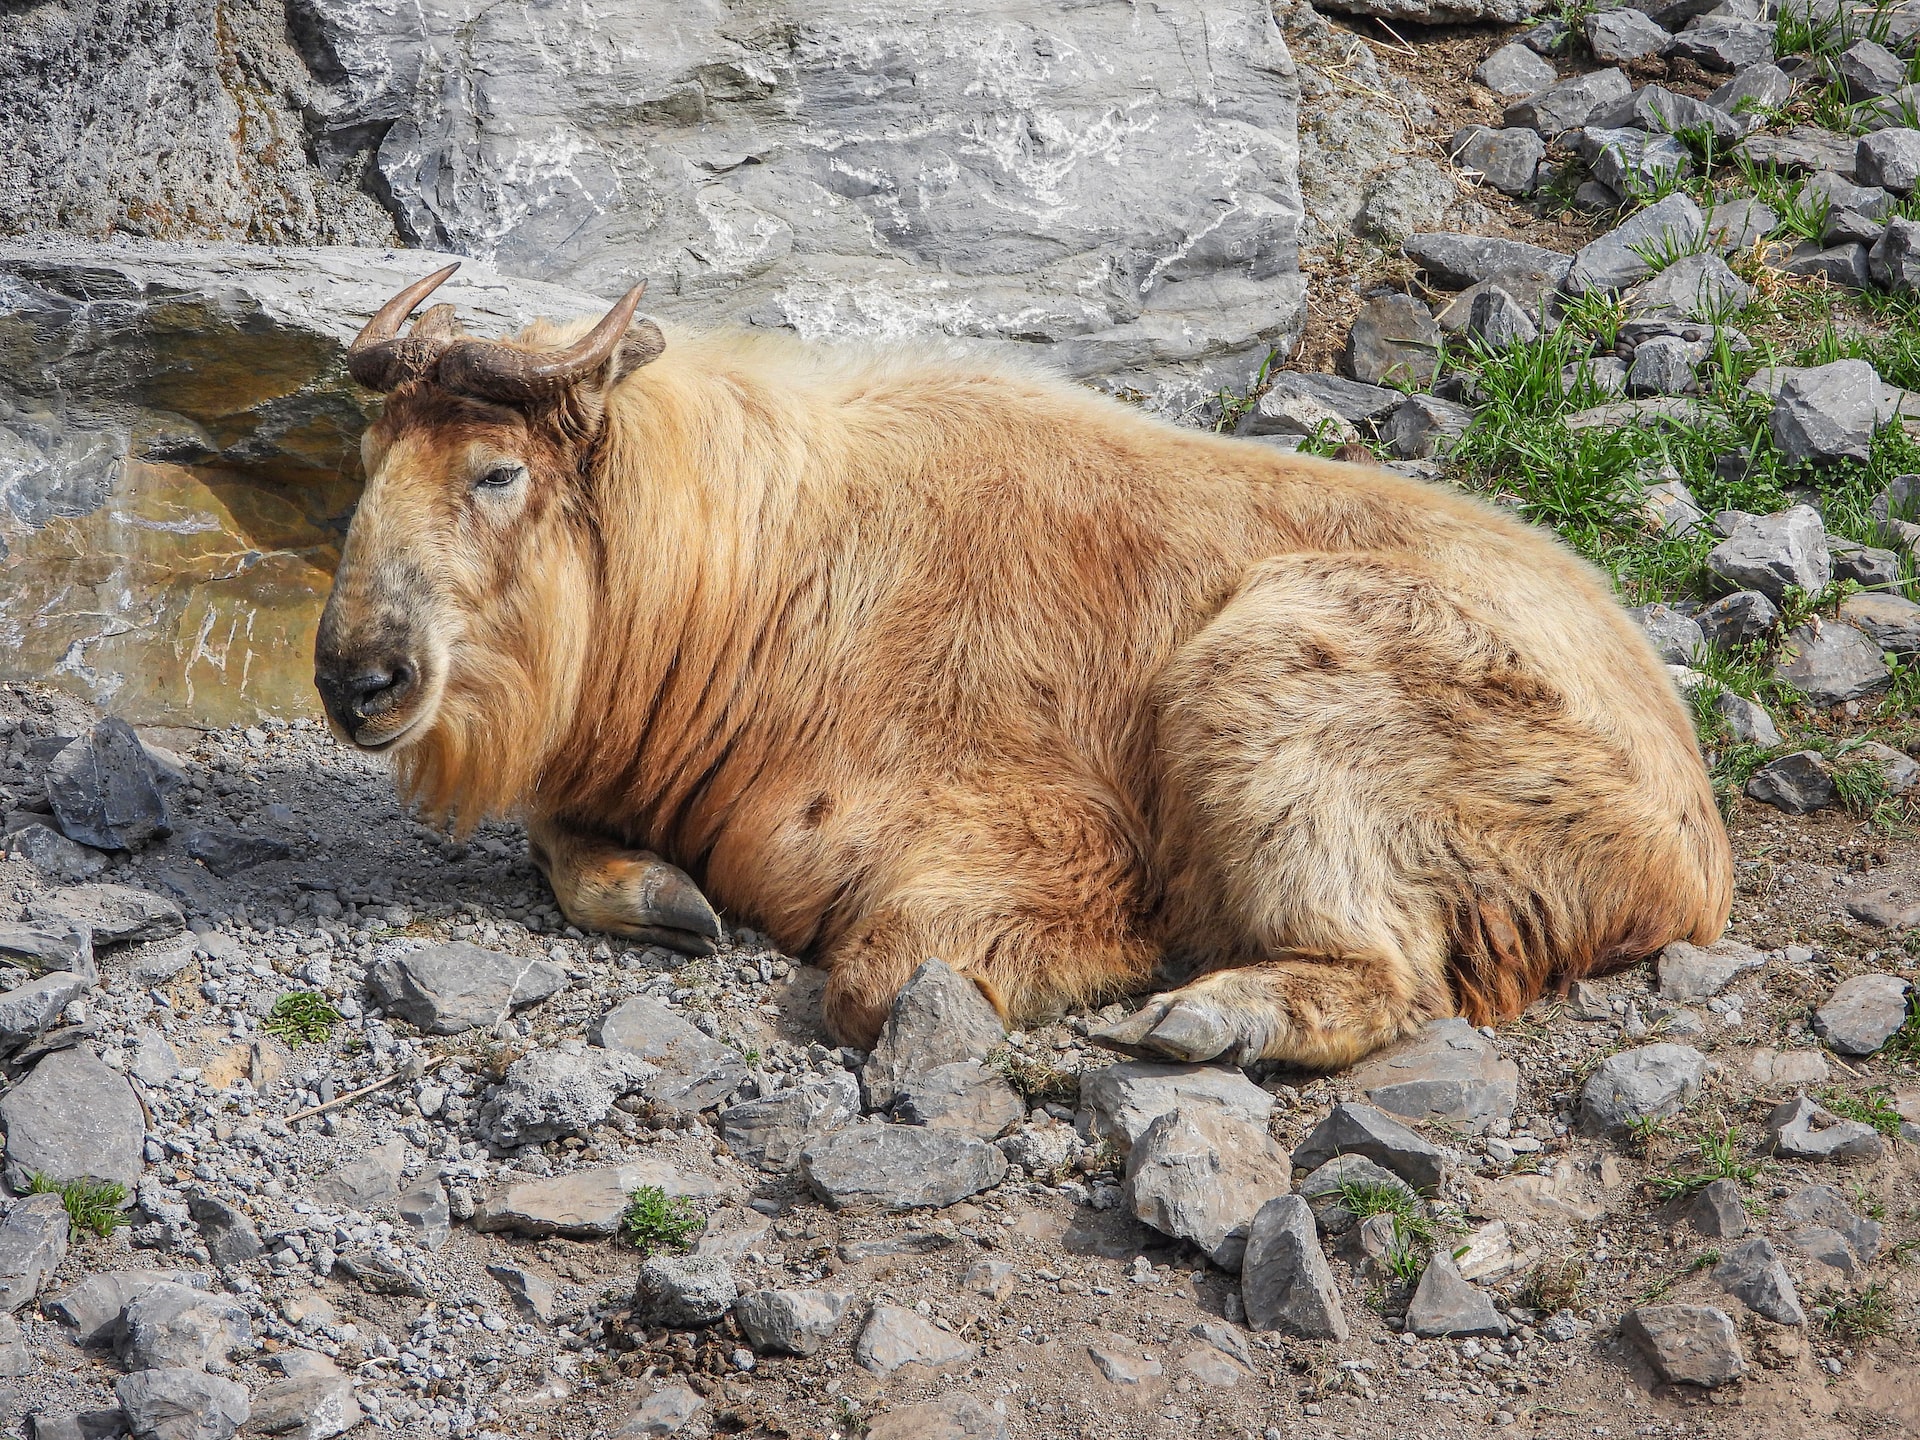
901, 657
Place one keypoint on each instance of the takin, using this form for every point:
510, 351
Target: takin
897, 657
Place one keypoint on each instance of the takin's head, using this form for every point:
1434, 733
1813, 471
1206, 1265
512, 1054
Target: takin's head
456, 624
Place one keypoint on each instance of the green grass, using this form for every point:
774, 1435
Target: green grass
1856, 1317
1871, 1108
1416, 1235
1905, 1042
655, 1220
94, 1207
1040, 1082
1705, 1260
301, 1017
1719, 1159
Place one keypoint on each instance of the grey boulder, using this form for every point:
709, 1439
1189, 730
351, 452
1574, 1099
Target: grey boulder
1746, 615
1754, 1275
1571, 103
554, 1093
1624, 34
1449, 1071
1201, 1177
1863, 1013
1394, 341
1507, 159
684, 1291
1773, 553
1724, 43
33, 1242
1799, 783
104, 792
1651, 1082
1616, 260
74, 1118
1827, 413
113, 914
1831, 663
448, 989
1698, 972
27, 1011
1446, 1304
182, 1404
899, 1167
1686, 1344
1803, 1130
772, 1131
1285, 1281
791, 1322
1890, 159
1513, 69
939, 1017
1119, 1102
179, 1327
895, 1336
1363, 1130
692, 1070
1456, 261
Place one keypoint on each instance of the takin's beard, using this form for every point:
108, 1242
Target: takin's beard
500, 718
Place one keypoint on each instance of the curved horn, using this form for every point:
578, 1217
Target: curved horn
379, 361
501, 372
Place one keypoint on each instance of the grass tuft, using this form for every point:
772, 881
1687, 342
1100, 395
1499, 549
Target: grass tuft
655, 1220
1871, 1108
1553, 1285
301, 1017
1856, 1317
1720, 1157
94, 1207
1041, 1082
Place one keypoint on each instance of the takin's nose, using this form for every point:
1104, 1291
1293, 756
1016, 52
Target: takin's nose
356, 691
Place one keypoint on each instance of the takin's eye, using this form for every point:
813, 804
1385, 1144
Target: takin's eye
501, 476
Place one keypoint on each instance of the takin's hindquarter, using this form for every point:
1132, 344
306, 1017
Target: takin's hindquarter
1375, 811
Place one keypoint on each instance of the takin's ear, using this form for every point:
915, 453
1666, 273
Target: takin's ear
641, 345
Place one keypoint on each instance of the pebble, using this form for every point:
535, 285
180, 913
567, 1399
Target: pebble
1863, 1013
894, 1337
1686, 1344
1802, 1130
1651, 1082
1285, 1282
791, 1322
1365, 1131
899, 1167
1202, 1177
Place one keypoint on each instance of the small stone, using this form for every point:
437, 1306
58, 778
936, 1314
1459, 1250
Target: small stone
1394, 341
426, 1214
1550, 37
113, 914
1752, 92
1614, 263
1802, 148
583, 1204
950, 1417
899, 1167
362, 1184
230, 1235
1121, 1101
1891, 622
16, 1356
1454, 261
1725, 44
1695, 287
1894, 261
1569, 104
1445, 1304
1868, 567
894, 1336
182, 1404
448, 989
73, 1118
1737, 224
1749, 723
1285, 1281
1041, 1150
1771, 553
1651, 1082
991, 1278
53, 855
1661, 111
1868, 70
93, 1307
1786, 1069
791, 1322
684, 1291
1696, 972
1737, 619
33, 1242
1802, 1130
1754, 1275
554, 1093
153, 1061
1717, 1212
771, 1132
1449, 1071
1353, 402
669, 1410
1799, 783
1618, 35
1827, 413
1422, 426
1889, 907
1326, 1187
177, 1326
103, 790
940, 1017
1670, 505
964, 1096
28, 1011
1822, 1206
1605, 373
1498, 320
63, 948
1661, 366
1887, 158
1514, 69
1863, 1013
1507, 159
1287, 412
1831, 663
316, 1405
1201, 1177
1491, 1255
228, 852
532, 1293
1686, 1344
1630, 162
1364, 1130
1122, 1367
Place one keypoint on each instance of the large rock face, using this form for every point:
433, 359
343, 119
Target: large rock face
178, 453
1116, 182
1112, 188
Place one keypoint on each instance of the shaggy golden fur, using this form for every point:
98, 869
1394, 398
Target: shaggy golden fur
903, 658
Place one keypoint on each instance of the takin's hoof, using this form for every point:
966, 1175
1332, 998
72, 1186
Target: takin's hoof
649, 901
1172, 1027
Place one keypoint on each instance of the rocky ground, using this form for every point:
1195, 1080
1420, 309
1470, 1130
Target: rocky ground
334, 1121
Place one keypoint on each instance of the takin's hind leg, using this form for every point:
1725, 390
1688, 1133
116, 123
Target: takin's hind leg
606, 887
1321, 1014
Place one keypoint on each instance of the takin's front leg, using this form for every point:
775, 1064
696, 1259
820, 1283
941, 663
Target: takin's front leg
607, 887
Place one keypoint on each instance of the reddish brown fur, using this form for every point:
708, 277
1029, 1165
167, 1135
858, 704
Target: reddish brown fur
910, 659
